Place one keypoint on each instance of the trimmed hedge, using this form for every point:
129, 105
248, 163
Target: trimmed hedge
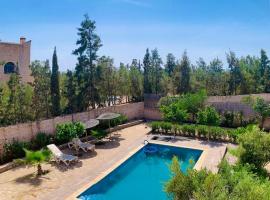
200, 131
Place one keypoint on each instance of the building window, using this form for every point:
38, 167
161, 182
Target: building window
9, 68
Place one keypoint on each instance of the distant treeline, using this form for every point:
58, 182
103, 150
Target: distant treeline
97, 82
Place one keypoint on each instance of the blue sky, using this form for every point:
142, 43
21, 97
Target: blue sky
205, 28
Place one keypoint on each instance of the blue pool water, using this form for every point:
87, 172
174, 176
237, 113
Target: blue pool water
142, 176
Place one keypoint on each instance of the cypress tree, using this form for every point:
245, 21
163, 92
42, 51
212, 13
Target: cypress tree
170, 64
184, 85
55, 91
147, 71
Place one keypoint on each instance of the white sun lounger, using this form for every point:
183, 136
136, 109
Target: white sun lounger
59, 156
78, 144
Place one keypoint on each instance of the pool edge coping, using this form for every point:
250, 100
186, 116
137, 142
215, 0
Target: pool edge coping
102, 175
198, 165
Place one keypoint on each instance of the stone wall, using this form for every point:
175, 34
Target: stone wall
26, 131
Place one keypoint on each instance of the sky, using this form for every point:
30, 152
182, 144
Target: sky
204, 28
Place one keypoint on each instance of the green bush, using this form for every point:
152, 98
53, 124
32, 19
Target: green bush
203, 131
99, 134
189, 129
254, 147
174, 113
119, 120
66, 131
231, 182
104, 124
41, 140
176, 129
234, 119
234, 134
166, 126
208, 116
14, 150
155, 126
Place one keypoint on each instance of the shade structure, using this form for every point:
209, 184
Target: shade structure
91, 123
108, 116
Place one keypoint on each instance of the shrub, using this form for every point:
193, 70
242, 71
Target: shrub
176, 128
189, 129
104, 124
155, 126
203, 131
254, 147
231, 182
14, 150
234, 119
166, 126
119, 120
174, 113
41, 140
208, 116
228, 119
98, 134
65, 132
234, 134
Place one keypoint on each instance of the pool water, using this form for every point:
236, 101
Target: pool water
142, 176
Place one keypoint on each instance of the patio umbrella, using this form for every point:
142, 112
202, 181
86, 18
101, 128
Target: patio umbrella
91, 123
108, 116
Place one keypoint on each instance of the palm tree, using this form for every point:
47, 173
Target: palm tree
36, 158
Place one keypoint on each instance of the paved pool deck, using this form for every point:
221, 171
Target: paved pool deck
65, 183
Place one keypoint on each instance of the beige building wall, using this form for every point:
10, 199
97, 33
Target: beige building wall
19, 54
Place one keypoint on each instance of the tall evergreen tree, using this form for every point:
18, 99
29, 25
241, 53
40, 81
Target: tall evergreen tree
55, 88
136, 78
88, 45
235, 73
264, 63
184, 68
170, 64
265, 71
156, 74
18, 108
70, 93
124, 82
147, 72
41, 99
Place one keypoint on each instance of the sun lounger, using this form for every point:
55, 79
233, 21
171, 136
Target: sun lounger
59, 156
78, 144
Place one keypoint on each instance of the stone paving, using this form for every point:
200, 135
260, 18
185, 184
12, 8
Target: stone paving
61, 182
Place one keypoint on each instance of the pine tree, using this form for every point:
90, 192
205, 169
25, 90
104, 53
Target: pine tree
147, 72
184, 68
136, 78
55, 88
156, 74
70, 93
265, 71
235, 73
264, 63
170, 64
88, 45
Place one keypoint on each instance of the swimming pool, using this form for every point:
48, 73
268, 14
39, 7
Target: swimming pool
142, 176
